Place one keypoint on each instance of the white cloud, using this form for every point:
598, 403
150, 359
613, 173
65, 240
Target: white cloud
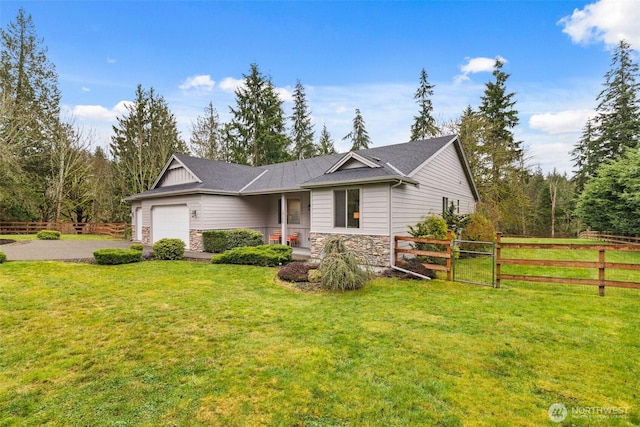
606, 21
111, 60
477, 65
561, 122
285, 94
85, 89
229, 84
201, 83
100, 113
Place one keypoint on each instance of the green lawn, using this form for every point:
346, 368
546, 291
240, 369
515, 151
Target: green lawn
181, 343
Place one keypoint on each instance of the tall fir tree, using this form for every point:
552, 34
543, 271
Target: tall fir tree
30, 116
206, 136
325, 145
256, 132
358, 136
142, 142
424, 125
617, 122
302, 133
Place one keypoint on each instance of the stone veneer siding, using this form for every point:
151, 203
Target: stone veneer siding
195, 241
146, 235
375, 249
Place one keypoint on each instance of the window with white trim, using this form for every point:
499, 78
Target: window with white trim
346, 208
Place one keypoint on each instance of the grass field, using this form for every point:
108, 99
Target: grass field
180, 343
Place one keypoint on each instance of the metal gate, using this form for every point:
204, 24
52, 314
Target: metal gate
474, 262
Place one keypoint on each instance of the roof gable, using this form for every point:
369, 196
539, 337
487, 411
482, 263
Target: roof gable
175, 173
353, 160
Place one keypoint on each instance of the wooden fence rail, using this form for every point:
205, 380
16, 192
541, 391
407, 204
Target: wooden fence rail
446, 254
116, 230
608, 237
601, 265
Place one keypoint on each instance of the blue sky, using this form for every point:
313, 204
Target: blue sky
365, 54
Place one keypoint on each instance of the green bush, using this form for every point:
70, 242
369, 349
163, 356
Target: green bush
214, 241
263, 255
169, 249
3, 257
432, 227
340, 267
137, 246
217, 241
48, 235
112, 256
479, 229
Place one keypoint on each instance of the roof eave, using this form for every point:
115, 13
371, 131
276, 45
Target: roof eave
185, 192
340, 183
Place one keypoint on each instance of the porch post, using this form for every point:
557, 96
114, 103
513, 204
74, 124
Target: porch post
283, 219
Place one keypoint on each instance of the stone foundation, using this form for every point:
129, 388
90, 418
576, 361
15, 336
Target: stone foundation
196, 243
376, 249
146, 235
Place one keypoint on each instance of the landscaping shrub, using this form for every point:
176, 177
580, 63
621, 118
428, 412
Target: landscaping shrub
217, 241
214, 241
340, 267
432, 227
263, 255
3, 257
169, 249
295, 272
479, 228
137, 246
112, 256
48, 235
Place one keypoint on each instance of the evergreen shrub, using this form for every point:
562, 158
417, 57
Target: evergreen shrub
217, 241
48, 235
3, 257
263, 255
111, 256
137, 247
340, 267
169, 249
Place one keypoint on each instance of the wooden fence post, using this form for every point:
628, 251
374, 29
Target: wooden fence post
601, 276
498, 237
450, 253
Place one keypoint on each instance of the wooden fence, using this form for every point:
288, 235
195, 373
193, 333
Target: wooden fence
608, 237
446, 254
601, 265
116, 230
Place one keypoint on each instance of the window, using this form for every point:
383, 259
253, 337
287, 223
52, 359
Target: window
346, 208
294, 211
445, 205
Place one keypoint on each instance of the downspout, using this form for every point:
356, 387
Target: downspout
392, 240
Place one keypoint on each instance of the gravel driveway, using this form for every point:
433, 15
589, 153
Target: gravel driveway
41, 250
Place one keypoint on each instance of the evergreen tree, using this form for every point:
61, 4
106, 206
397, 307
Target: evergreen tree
585, 155
424, 125
358, 136
302, 132
257, 130
325, 145
206, 136
470, 130
30, 114
617, 123
143, 141
499, 148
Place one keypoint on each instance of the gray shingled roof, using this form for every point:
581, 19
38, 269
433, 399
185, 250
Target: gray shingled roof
396, 162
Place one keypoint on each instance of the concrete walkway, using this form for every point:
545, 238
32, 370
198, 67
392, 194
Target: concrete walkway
70, 250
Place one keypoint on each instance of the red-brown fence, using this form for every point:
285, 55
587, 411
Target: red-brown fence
117, 230
608, 237
601, 265
446, 254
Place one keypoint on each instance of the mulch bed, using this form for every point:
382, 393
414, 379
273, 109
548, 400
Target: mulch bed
6, 241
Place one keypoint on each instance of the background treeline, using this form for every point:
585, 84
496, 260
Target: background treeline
49, 170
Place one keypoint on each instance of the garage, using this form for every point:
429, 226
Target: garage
170, 222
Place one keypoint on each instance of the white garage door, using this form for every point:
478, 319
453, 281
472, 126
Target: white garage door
170, 222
